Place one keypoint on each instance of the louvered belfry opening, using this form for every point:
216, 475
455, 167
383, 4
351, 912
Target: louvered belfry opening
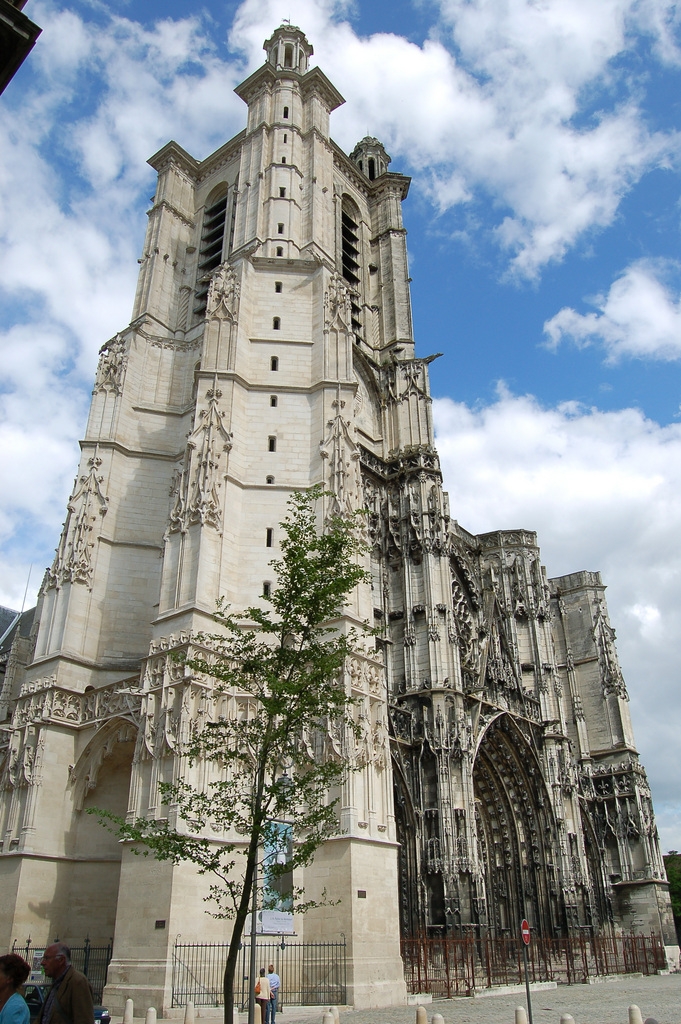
210, 253
351, 266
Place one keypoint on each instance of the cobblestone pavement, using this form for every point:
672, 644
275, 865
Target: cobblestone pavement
604, 1003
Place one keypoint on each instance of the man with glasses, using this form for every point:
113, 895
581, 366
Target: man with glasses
69, 1001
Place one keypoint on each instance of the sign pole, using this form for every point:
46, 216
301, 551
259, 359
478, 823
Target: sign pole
525, 936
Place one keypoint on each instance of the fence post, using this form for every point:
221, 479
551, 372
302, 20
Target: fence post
449, 981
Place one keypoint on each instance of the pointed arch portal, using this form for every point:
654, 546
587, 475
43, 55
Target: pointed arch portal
518, 846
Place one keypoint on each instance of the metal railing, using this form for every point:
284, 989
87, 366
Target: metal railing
452, 967
312, 973
92, 961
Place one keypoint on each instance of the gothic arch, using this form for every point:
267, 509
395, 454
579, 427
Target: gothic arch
106, 744
598, 904
517, 834
407, 863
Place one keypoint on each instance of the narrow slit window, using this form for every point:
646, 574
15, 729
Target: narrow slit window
282, 192
274, 363
286, 112
276, 323
277, 286
271, 444
269, 537
273, 401
280, 250
285, 138
283, 159
280, 229
269, 479
266, 589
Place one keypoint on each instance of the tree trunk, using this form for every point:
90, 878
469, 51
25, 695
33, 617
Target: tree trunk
242, 912
232, 960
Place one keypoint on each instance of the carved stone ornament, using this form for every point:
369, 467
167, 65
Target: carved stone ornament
223, 294
612, 680
111, 367
337, 308
24, 760
51, 703
342, 457
73, 560
196, 487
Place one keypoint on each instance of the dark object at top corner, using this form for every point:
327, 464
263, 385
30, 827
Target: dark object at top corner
17, 38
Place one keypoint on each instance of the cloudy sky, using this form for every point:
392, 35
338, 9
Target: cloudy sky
543, 141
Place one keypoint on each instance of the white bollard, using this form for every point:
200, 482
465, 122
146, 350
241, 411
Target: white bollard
520, 1015
327, 1017
421, 1015
437, 1018
566, 1018
336, 1014
128, 1012
150, 1016
635, 1015
189, 1013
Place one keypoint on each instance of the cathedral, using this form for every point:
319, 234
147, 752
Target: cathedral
271, 349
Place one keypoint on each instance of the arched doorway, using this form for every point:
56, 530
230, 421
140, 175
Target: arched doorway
100, 778
407, 862
517, 834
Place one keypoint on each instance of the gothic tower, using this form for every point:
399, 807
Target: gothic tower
270, 349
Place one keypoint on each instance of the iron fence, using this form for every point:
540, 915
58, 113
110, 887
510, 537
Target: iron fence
92, 961
312, 973
451, 967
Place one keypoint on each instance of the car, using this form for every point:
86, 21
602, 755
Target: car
36, 994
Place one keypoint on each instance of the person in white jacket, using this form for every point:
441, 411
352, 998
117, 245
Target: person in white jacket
262, 994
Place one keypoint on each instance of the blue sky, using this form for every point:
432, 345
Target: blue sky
542, 137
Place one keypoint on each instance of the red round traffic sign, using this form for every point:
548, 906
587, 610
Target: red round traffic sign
525, 931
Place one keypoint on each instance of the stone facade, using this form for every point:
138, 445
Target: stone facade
270, 349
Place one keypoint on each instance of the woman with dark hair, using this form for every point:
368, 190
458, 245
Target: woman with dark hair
13, 973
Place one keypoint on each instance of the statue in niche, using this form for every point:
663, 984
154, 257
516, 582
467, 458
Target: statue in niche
223, 293
337, 301
111, 368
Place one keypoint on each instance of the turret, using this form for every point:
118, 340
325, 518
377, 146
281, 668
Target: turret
288, 49
371, 157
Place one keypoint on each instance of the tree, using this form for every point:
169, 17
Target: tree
672, 863
284, 664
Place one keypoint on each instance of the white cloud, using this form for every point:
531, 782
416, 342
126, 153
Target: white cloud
639, 317
603, 492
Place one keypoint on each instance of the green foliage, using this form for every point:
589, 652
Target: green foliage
269, 765
672, 863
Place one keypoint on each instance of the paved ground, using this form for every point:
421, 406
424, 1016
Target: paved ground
604, 1003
